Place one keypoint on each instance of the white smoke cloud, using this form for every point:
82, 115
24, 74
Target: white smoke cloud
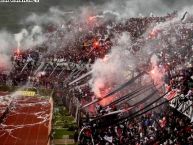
27, 39
136, 8
20, 36
10, 42
114, 67
7, 44
53, 16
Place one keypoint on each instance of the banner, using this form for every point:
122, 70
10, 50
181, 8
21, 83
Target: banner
171, 95
27, 93
183, 105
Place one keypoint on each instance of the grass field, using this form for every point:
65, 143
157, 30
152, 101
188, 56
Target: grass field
63, 124
61, 133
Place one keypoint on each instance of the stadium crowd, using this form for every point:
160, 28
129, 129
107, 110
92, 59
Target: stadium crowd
168, 127
57, 70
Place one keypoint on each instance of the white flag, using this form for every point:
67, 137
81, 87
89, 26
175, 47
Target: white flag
108, 138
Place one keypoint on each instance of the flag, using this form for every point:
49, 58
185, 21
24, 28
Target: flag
163, 122
108, 138
29, 58
171, 95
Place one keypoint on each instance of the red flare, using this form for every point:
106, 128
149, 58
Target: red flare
18, 51
153, 34
105, 101
96, 44
153, 72
91, 18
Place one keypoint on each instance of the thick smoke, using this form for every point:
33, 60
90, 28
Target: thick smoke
6, 48
53, 16
10, 43
114, 68
27, 39
136, 8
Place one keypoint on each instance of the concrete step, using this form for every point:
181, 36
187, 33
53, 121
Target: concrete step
65, 136
63, 141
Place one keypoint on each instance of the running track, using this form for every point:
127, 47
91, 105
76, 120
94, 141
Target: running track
27, 122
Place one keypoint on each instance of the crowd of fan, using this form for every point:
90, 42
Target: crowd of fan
167, 128
75, 58
92, 40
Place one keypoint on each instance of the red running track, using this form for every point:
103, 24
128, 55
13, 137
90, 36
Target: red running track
27, 122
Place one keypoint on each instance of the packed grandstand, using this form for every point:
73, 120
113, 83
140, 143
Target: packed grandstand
126, 82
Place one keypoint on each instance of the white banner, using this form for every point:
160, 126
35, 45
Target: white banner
183, 105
